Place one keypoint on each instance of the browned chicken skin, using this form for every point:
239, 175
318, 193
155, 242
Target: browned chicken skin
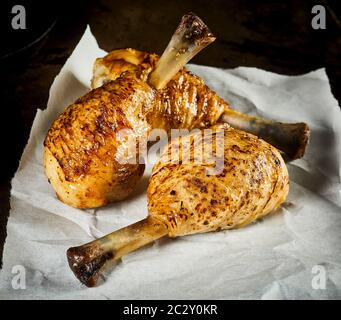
81, 145
187, 197
185, 102
80, 148
180, 94
252, 182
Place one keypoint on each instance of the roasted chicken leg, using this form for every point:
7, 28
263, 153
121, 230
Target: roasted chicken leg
192, 197
181, 101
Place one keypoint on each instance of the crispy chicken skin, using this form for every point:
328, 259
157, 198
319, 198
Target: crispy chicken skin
80, 154
80, 147
185, 102
116, 62
181, 94
253, 182
188, 195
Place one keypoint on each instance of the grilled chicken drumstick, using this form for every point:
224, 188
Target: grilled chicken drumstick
182, 97
81, 147
184, 199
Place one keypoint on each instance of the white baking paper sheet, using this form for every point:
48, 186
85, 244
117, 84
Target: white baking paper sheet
293, 254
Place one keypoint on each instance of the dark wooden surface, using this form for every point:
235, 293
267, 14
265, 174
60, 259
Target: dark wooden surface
273, 35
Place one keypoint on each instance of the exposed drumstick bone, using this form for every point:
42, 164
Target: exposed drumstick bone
291, 138
190, 37
87, 261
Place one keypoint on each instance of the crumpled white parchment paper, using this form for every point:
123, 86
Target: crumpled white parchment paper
271, 259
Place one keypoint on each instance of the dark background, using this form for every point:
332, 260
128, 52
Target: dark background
272, 35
